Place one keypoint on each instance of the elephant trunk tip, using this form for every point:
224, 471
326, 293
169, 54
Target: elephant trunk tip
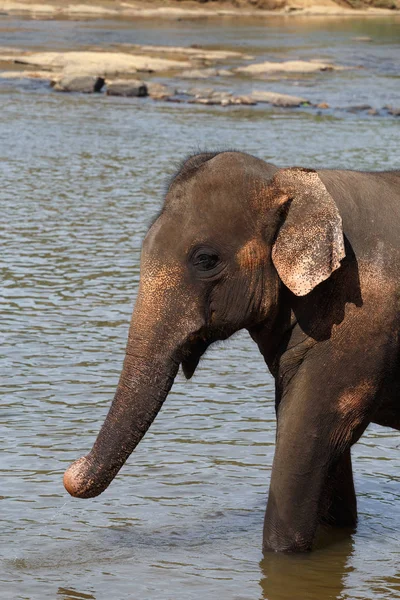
78, 482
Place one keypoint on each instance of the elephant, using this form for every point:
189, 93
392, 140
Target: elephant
308, 262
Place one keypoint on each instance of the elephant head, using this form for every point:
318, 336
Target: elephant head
232, 233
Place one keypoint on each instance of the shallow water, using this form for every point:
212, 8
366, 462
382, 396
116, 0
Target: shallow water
81, 179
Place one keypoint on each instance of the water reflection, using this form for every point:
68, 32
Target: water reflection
66, 594
316, 576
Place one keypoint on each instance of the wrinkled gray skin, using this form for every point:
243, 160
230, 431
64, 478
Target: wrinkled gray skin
309, 263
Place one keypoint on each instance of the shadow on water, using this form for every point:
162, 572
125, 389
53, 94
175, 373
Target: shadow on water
315, 576
66, 594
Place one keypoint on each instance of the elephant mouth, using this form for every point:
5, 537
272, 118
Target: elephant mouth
192, 353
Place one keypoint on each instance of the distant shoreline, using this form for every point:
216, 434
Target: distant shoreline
175, 9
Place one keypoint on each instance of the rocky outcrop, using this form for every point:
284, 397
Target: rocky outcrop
192, 52
210, 96
289, 66
205, 73
100, 63
159, 91
32, 74
85, 84
127, 88
173, 9
393, 110
88, 70
276, 99
219, 98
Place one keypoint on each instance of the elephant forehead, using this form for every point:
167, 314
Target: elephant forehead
210, 193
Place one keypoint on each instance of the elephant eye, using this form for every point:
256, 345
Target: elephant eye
205, 261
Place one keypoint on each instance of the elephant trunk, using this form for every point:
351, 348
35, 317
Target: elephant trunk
144, 384
160, 328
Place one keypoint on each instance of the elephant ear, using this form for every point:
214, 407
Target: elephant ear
309, 245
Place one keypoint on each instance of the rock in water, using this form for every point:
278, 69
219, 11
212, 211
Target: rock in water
278, 99
288, 66
127, 88
358, 108
84, 84
199, 73
159, 91
97, 63
393, 110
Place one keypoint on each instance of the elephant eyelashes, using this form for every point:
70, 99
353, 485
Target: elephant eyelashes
205, 261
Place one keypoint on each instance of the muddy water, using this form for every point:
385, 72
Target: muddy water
81, 177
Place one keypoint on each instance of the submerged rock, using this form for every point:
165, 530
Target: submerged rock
276, 99
211, 101
127, 88
41, 75
212, 97
176, 99
159, 91
392, 110
82, 84
197, 91
193, 51
358, 108
199, 73
205, 73
248, 100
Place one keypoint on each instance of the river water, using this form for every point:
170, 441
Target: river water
81, 177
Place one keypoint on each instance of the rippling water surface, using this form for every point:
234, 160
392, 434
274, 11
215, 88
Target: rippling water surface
81, 177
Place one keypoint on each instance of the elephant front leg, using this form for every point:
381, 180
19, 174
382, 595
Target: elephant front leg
298, 476
312, 468
338, 506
